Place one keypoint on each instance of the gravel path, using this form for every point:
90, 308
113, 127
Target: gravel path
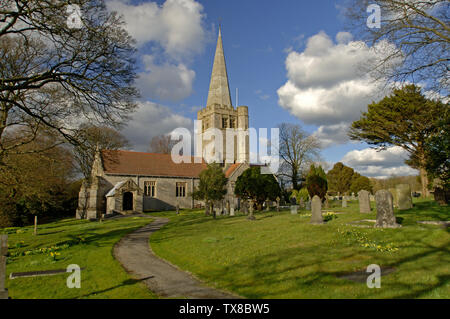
134, 253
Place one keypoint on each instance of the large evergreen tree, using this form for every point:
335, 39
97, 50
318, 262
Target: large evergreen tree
339, 178
437, 164
316, 182
257, 187
361, 183
212, 186
407, 119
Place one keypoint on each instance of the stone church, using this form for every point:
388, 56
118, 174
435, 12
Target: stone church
125, 181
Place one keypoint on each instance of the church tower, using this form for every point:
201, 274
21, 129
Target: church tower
219, 114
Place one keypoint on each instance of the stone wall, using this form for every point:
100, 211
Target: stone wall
165, 191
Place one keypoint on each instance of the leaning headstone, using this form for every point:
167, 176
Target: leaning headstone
364, 201
245, 207
344, 201
35, 224
327, 203
316, 210
308, 205
394, 196
404, 196
3, 253
250, 210
385, 210
294, 209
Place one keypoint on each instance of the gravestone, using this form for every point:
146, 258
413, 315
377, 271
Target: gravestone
251, 209
218, 210
245, 207
178, 209
3, 253
371, 198
316, 210
394, 196
404, 198
385, 210
344, 201
364, 201
278, 204
302, 203
35, 224
228, 208
294, 209
267, 206
231, 211
308, 205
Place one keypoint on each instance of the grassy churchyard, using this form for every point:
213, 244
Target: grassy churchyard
279, 255
87, 244
283, 256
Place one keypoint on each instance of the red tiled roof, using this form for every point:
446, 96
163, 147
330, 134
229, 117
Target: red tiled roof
148, 164
231, 169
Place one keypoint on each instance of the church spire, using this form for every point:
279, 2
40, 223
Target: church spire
219, 91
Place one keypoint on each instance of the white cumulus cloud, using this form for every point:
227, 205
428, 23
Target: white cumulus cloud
150, 120
332, 134
176, 24
380, 164
168, 82
326, 85
173, 33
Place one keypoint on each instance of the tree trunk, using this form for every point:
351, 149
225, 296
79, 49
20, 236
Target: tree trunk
424, 181
211, 209
294, 179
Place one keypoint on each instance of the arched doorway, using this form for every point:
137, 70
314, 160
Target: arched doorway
127, 203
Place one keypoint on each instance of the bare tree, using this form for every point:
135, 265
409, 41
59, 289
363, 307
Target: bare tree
95, 137
54, 76
162, 144
297, 151
419, 30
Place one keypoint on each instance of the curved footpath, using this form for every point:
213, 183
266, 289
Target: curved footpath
135, 254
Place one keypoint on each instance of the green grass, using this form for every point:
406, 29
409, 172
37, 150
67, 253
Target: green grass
87, 244
283, 256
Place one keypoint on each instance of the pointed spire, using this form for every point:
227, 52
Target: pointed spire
219, 90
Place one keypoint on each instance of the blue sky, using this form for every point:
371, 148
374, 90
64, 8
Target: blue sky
291, 61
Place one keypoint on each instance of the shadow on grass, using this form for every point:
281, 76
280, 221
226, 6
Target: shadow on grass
97, 239
425, 211
128, 282
271, 276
